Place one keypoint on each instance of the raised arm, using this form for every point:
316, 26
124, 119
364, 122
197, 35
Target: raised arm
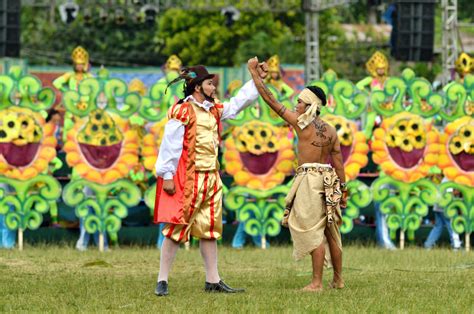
267, 95
245, 97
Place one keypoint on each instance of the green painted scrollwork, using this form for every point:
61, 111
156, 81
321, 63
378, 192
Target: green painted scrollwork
82, 102
406, 93
119, 100
149, 198
102, 92
404, 204
359, 196
106, 207
24, 202
161, 97
349, 101
24, 91
254, 208
460, 209
456, 97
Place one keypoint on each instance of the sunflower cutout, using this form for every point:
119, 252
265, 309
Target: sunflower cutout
405, 146
102, 148
457, 151
353, 142
259, 155
27, 143
151, 144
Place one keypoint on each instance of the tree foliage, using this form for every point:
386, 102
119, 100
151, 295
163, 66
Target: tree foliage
198, 37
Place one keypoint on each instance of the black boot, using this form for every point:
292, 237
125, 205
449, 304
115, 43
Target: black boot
161, 288
220, 287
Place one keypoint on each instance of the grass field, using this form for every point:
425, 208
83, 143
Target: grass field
51, 278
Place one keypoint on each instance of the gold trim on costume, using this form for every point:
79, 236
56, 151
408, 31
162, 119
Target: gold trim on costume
173, 63
377, 61
464, 64
80, 56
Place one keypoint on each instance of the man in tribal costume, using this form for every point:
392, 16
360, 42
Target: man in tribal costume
319, 189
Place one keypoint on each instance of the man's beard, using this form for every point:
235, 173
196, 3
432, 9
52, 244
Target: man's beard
206, 97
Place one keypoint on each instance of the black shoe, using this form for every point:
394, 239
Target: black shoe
161, 288
220, 287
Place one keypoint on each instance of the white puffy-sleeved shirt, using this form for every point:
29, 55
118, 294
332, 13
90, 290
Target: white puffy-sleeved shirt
172, 144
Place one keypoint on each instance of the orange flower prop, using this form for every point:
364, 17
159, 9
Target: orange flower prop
259, 155
354, 146
457, 151
102, 149
151, 145
405, 147
27, 143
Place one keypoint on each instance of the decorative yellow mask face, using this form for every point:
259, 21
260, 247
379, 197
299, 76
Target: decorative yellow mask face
27, 143
405, 147
259, 155
102, 148
457, 151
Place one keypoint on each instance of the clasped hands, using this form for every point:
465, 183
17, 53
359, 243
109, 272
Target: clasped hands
260, 68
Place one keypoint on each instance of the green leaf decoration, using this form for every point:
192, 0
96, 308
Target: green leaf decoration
149, 198
404, 204
119, 100
109, 204
161, 98
350, 102
102, 92
80, 103
454, 103
360, 196
6, 88
460, 209
25, 202
260, 216
406, 93
24, 91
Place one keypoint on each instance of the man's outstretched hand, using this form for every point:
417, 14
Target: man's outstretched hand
252, 63
255, 67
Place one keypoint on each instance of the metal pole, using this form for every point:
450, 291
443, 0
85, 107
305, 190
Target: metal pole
312, 46
449, 40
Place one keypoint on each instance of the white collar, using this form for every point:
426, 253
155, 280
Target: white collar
206, 105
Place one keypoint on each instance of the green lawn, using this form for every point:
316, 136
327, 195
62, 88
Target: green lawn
51, 278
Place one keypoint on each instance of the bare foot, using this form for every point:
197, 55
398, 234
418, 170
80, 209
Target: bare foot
312, 288
336, 285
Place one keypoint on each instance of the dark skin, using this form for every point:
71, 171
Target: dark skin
317, 142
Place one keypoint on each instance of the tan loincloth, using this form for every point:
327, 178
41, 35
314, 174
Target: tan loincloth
314, 187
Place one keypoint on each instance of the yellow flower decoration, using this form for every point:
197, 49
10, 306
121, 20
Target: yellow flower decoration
457, 151
354, 146
151, 145
27, 143
101, 148
259, 155
405, 147
469, 107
